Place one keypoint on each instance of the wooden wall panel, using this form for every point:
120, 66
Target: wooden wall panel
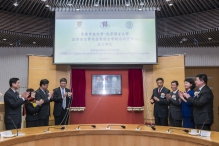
41, 67
213, 79
169, 68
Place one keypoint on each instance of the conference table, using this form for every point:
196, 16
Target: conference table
115, 135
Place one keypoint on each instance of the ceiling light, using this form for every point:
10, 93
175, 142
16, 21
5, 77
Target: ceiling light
142, 4
139, 9
181, 42
168, 0
15, 4
209, 39
4, 39
11, 44
43, 0
34, 42
96, 5
170, 4
69, 3
127, 4
184, 39
77, 9
47, 6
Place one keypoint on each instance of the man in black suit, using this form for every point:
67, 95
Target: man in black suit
62, 99
44, 111
175, 107
202, 103
13, 104
160, 103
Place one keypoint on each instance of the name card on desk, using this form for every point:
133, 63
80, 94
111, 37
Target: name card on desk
5, 133
205, 133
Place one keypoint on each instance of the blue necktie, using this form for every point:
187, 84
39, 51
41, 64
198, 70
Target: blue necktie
64, 100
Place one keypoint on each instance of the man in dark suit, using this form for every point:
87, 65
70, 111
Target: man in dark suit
202, 103
62, 99
44, 111
13, 104
160, 103
175, 107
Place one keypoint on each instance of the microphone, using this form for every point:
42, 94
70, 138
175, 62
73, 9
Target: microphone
137, 128
62, 128
78, 128
200, 132
13, 124
185, 130
108, 127
152, 127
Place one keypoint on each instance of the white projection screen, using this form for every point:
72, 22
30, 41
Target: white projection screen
105, 37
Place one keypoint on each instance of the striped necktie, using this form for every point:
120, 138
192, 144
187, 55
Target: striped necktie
64, 100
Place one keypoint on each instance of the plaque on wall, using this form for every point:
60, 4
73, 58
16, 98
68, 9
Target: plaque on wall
106, 84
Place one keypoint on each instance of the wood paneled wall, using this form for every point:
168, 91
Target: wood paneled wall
39, 68
213, 79
169, 68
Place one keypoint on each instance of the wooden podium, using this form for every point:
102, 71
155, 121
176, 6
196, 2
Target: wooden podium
115, 136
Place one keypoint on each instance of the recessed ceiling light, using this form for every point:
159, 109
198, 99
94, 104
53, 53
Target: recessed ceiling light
184, 39
47, 6
34, 42
142, 4
168, 0
4, 39
43, 0
69, 4
181, 42
170, 4
77, 9
11, 44
15, 4
139, 9
96, 5
127, 4
209, 39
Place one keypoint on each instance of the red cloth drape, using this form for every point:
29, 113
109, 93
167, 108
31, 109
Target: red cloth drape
78, 84
135, 98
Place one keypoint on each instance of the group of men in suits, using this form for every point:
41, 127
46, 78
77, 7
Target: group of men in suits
168, 104
38, 110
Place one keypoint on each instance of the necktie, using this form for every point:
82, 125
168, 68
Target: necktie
159, 90
17, 94
64, 100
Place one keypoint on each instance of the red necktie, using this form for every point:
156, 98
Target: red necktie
159, 90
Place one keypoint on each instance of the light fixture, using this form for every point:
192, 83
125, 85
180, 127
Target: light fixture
34, 42
4, 39
15, 3
43, 0
69, 3
209, 39
11, 44
77, 9
47, 6
170, 4
168, 0
181, 42
127, 4
140, 9
184, 39
141, 3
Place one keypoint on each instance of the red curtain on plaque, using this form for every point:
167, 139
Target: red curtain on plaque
135, 98
78, 85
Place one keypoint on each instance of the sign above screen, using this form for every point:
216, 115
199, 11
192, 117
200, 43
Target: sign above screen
105, 37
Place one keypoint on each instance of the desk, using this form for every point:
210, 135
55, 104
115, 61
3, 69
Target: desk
100, 136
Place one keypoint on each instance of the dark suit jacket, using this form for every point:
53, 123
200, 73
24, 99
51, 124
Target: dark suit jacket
31, 111
12, 107
160, 107
203, 106
57, 98
44, 109
175, 107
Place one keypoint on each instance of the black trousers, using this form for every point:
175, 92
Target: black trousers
63, 118
44, 122
205, 127
32, 123
10, 126
175, 123
161, 121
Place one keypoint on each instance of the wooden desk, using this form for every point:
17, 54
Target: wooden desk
116, 136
